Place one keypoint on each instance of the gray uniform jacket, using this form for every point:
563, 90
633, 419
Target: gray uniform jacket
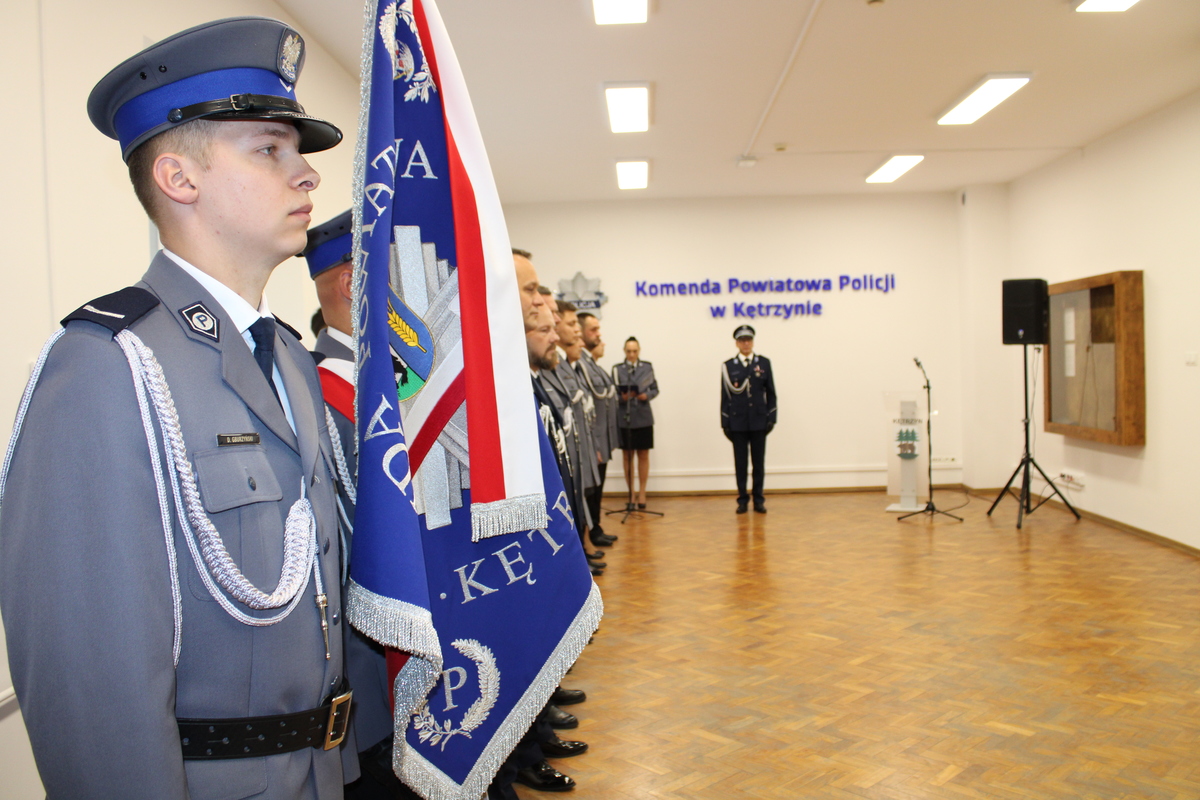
598, 382
85, 582
582, 476
366, 664
584, 410
635, 413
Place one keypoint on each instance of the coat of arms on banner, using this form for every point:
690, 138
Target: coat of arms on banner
465, 564
584, 292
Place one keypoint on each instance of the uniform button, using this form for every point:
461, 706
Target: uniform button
326, 549
250, 482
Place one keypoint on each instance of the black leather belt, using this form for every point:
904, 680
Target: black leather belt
255, 737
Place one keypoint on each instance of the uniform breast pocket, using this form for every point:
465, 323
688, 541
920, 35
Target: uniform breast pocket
229, 477
240, 494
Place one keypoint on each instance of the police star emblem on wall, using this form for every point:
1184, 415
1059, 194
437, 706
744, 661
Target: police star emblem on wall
584, 292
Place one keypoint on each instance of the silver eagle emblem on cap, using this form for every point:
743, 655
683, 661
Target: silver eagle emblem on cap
290, 50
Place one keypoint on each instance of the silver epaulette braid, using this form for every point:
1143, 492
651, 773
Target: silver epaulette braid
339, 458
219, 572
164, 502
347, 481
728, 382
23, 409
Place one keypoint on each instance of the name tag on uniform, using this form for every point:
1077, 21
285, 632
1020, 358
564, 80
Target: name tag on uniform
230, 439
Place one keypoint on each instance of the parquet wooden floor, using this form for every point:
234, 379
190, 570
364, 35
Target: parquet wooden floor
826, 651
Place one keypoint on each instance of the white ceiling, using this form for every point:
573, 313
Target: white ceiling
869, 81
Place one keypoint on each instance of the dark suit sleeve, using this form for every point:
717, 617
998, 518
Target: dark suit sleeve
85, 584
724, 401
772, 401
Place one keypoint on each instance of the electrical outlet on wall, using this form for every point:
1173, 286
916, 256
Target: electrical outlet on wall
1071, 479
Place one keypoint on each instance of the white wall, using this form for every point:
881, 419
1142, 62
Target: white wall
73, 229
831, 370
1130, 202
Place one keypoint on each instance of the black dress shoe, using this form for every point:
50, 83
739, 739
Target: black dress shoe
743, 508
600, 565
559, 719
561, 748
596, 530
641, 505
599, 540
544, 778
597, 571
567, 697
594, 556
760, 507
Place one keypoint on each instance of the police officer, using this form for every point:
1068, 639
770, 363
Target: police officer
636, 387
330, 265
748, 413
169, 551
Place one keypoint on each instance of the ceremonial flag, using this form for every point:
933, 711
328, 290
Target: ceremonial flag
465, 553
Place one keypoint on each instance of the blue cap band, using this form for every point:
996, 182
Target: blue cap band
329, 254
149, 110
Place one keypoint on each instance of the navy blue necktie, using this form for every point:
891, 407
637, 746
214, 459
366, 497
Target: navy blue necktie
263, 333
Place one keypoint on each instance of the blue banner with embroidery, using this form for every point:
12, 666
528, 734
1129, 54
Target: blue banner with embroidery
465, 554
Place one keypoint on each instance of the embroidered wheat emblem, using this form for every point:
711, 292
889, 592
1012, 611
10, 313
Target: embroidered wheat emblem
404, 330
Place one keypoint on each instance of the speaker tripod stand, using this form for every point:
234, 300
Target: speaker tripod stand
1024, 498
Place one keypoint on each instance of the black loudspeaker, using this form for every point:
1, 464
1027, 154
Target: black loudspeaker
1026, 311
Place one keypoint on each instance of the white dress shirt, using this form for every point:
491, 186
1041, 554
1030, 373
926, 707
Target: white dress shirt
243, 315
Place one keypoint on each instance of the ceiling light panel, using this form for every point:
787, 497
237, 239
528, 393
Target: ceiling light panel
894, 168
1105, 5
628, 107
633, 174
991, 92
620, 12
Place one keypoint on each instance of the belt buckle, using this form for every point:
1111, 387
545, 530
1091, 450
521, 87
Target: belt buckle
339, 720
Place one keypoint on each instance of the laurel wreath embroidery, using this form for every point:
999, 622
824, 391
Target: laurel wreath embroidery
404, 65
404, 330
430, 731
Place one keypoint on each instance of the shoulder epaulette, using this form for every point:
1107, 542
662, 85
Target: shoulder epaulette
116, 311
288, 328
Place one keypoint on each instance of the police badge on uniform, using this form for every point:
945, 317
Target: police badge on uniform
202, 321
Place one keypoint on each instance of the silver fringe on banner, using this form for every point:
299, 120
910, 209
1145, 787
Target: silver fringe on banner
433, 784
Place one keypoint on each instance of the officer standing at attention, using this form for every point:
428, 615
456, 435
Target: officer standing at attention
329, 255
748, 413
169, 556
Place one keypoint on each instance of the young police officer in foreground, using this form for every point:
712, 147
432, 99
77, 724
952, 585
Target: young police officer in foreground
169, 557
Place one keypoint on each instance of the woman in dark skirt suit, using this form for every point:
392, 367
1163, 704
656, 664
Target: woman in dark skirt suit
635, 421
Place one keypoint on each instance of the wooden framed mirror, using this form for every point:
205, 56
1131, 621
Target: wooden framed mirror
1096, 361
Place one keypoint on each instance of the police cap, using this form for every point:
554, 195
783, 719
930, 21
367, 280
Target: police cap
743, 332
240, 68
330, 244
